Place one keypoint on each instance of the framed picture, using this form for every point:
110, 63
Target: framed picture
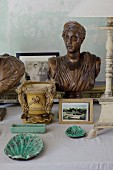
76, 110
36, 65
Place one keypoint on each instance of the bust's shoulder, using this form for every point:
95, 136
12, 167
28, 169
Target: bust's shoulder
90, 56
87, 54
54, 60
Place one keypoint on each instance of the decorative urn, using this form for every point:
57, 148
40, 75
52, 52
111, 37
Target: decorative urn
36, 100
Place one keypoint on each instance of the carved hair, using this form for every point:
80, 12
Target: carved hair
76, 28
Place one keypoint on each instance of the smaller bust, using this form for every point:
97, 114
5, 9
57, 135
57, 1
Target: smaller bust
75, 72
11, 71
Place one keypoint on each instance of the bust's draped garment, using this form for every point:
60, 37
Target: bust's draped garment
81, 78
11, 71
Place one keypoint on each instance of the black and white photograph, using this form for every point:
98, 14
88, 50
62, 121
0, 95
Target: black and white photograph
37, 70
36, 65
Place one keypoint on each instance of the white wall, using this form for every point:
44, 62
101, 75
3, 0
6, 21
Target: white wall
36, 26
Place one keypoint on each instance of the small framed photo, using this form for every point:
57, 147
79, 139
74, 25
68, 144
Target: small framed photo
76, 111
36, 65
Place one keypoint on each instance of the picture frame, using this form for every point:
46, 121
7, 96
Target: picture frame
36, 67
76, 111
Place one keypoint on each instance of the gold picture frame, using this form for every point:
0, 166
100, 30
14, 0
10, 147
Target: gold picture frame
74, 111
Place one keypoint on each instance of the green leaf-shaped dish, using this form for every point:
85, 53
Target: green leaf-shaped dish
75, 132
24, 146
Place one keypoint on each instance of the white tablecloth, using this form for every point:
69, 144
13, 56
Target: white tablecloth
60, 152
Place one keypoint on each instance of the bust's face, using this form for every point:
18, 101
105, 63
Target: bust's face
72, 41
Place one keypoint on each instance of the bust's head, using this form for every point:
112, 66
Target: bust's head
76, 28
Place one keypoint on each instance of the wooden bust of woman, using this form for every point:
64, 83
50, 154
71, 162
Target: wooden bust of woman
75, 72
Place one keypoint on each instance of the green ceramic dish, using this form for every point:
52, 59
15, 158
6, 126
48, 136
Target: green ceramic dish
24, 146
75, 132
28, 128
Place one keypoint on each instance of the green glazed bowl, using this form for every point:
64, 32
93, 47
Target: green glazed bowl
75, 132
24, 146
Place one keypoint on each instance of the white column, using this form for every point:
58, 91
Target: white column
106, 101
109, 62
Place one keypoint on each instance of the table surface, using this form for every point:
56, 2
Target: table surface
60, 151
